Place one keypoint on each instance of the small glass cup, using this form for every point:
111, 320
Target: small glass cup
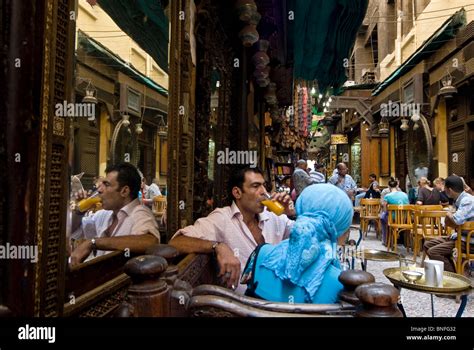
274, 206
407, 264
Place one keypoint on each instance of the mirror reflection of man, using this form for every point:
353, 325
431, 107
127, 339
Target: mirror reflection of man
233, 232
123, 224
152, 191
421, 171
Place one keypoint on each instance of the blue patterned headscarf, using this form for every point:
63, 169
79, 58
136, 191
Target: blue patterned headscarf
324, 212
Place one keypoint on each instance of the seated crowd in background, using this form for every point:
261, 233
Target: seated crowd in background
393, 196
427, 195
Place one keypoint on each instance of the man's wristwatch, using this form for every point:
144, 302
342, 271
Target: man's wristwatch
94, 247
214, 247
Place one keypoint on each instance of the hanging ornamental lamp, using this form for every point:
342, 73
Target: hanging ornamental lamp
91, 93
384, 126
404, 125
125, 120
162, 127
270, 94
261, 59
249, 35
448, 90
138, 128
245, 9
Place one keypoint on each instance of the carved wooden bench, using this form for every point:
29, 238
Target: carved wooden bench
164, 286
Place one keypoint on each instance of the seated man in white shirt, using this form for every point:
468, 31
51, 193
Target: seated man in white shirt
344, 181
152, 191
123, 224
233, 232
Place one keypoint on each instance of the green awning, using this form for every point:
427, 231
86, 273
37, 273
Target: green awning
324, 32
145, 22
96, 49
446, 32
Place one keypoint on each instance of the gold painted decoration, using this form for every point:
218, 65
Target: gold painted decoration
339, 139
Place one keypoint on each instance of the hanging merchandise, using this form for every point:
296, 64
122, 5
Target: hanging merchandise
289, 138
309, 114
287, 114
300, 111
294, 114
304, 124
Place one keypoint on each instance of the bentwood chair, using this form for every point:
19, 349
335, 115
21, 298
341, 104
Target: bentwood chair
429, 207
400, 218
369, 211
428, 224
159, 206
467, 255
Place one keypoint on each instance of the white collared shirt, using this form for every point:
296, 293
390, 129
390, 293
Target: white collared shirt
226, 225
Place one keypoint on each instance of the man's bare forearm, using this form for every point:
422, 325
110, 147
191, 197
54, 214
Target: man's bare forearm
191, 245
135, 243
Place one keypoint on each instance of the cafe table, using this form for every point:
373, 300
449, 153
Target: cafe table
454, 285
375, 255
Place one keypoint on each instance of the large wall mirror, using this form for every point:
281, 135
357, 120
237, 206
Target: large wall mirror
419, 139
127, 89
92, 99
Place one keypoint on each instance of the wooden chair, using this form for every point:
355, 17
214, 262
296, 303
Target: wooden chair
448, 230
400, 218
369, 211
464, 256
429, 207
159, 206
427, 225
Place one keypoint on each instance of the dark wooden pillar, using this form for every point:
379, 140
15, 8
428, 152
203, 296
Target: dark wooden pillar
243, 119
21, 85
181, 122
38, 43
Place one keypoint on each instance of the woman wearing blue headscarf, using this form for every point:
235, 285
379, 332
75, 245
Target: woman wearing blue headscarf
304, 268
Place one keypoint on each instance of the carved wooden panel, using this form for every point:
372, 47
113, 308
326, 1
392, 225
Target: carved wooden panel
214, 56
106, 306
197, 269
174, 130
53, 172
53, 238
62, 35
181, 122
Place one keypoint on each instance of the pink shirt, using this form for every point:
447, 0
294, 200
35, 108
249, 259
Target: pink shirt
226, 225
133, 219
